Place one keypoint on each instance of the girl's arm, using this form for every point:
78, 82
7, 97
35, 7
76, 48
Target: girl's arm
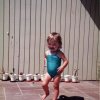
65, 62
45, 60
44, 63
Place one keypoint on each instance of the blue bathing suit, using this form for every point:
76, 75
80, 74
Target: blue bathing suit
53, 62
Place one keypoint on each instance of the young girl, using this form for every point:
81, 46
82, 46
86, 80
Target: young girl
54, 67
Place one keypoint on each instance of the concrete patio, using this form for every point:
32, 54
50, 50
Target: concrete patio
90, 90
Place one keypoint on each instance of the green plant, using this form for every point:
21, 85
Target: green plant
75, 71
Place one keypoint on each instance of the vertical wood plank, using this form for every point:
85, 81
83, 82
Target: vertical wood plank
67, 31
1, 34
72, 25
58, 19
90, 42
11, 44
53, 24
81, 45
85, 61
17, 35
30, 21
37, 63
43, 35
33, 36
98, 60
63, 23
22, 34
6, 29
77, 34
94, 68
27, 36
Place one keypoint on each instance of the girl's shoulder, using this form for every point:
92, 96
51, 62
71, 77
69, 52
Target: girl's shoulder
47, 52
60, 53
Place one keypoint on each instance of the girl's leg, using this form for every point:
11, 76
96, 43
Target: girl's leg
56, 87
45, 86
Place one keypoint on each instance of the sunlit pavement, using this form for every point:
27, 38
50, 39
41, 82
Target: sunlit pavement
90, 90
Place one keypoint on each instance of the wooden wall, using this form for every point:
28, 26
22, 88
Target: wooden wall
25, 24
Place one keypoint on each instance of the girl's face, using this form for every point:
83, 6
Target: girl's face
53, 46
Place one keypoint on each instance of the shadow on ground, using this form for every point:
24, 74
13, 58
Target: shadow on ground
63, 97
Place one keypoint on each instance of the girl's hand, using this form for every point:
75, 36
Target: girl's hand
60, 70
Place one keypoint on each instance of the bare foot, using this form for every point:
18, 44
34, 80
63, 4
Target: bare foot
44, 96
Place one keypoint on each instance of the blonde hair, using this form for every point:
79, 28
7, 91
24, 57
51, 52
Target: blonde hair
55, 37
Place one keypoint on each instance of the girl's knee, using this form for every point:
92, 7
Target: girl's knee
44, 84
56, 86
